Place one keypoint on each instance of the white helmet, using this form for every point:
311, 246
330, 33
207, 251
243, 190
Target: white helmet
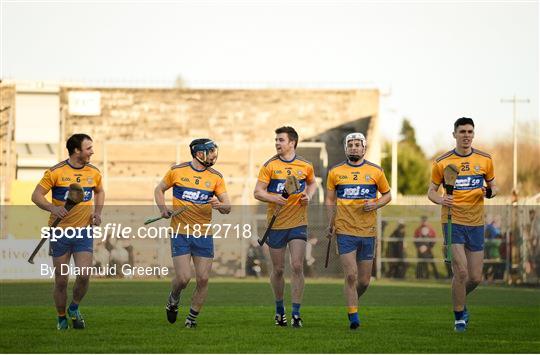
351, 137
354, 136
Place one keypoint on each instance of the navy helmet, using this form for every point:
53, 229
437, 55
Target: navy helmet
205, 145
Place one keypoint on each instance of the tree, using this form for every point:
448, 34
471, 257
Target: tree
413, 167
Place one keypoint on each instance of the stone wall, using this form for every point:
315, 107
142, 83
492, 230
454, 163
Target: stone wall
160, 123
7, 140
243, 116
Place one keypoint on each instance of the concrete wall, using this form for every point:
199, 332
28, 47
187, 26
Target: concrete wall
161, 122
7, 142
241, 116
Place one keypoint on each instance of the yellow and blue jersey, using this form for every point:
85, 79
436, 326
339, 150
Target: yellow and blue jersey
274, 173
193, 188
475, 169
57, 180
354, 185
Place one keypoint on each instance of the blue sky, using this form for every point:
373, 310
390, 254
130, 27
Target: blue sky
440, 60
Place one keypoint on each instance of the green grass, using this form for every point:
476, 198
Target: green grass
128, 317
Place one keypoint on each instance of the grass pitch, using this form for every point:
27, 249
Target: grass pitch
128, 317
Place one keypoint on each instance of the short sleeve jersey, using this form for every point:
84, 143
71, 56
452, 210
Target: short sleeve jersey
274, 173
57, 180
193, 188
354, 185
474, 170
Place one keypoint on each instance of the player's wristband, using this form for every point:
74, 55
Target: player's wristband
449, 189
489, 192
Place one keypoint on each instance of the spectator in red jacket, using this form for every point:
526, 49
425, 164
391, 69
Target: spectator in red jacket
424, 240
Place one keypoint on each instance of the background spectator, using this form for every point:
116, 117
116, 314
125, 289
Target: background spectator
424, 241
309, 261
254, 259
397, 269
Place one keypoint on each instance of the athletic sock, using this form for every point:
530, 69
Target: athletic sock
192, 316
458, 315
353, 315
61, 318
173, 300
280, 308
73, 306
296, 309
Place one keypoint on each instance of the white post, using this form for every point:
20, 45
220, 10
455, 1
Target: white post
392, 119
514, 165
514, 102
394, 183
105, 166
378, 273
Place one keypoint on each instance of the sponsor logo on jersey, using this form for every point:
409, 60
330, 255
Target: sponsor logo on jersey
352, 192
355, 191
192, 195
278, 185
469, 182
60, 193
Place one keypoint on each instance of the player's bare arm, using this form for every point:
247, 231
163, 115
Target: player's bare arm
491, 190
38, 197
261, 194
99, 200
435, 197
307, 195
221, 203
330, 203
378, 203
159, 196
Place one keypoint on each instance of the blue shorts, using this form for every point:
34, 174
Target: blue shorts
278, 238
364, 246
63, 243
182, 244
471, 236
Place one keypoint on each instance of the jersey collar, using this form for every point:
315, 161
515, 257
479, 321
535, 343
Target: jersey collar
71, 166
355, 166
287, 161
194, 168
463, 156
